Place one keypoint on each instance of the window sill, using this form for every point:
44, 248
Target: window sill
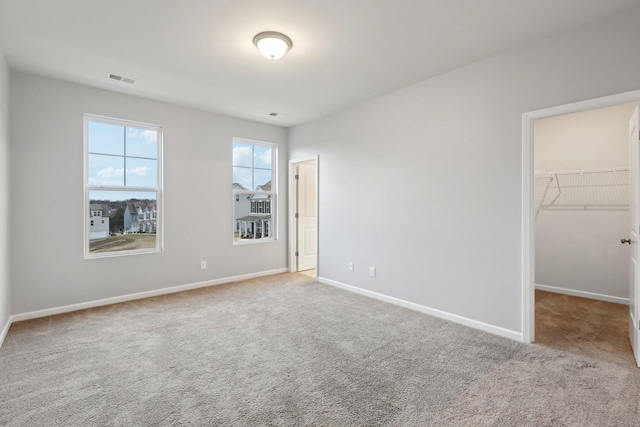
240, 242
96, 255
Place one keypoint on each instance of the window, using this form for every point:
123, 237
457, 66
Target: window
254, 191
122, 180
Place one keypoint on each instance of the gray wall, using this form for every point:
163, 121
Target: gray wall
580, 250
47, 195
425, 183
5, 288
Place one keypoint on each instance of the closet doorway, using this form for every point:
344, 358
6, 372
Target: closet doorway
303, 215
581, 203
577, 184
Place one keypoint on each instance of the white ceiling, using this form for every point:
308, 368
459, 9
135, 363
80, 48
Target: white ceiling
200, 53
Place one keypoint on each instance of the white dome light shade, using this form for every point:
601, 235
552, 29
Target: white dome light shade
272, 45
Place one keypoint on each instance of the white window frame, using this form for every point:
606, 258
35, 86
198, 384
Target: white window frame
273, 193
87, 188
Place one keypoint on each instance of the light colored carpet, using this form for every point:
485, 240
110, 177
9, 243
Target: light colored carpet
285, 350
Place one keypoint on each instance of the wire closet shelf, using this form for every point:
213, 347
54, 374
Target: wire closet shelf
604, 189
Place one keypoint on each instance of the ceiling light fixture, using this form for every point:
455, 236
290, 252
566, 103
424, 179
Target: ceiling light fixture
272, 45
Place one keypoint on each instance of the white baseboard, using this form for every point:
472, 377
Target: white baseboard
496, 330
583, 294
5, 330
140, 295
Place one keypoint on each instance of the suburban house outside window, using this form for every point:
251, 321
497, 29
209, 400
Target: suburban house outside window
254, 191
122, 187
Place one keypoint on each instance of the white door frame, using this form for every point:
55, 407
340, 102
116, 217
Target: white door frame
293, 201
528, 222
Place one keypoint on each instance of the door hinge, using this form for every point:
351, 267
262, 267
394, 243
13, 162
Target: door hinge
296, 253
297, 176
296, 215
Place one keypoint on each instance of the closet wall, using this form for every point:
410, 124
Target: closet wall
578, 249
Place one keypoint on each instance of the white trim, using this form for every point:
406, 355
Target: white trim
528, 223
496, 330
5, 330
292, 229
528, 233
583, 294
140, 295
241, 242
116, 121
293, 198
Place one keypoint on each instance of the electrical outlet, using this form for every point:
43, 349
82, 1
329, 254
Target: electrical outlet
203, 265
350, 266
372, 271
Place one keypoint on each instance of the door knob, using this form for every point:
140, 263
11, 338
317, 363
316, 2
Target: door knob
623, 241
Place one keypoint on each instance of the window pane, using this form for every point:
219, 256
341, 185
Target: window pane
253, 170
130, 221
242, 154
243, 176
241, 209
105, 138
121, 157
142, 173
252, 217
142, 143
262, 179
105, 170
262, 156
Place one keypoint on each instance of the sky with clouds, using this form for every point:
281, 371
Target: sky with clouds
122, 156
251, 164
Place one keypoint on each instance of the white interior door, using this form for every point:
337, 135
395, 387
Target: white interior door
634, 276
307, 228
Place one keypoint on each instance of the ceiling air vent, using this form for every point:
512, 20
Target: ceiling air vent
122, 79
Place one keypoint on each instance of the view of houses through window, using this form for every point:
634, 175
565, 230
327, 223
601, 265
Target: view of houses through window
253, 190
122, 186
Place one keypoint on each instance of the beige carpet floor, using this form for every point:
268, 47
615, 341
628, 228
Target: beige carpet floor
584, 326
310, 273
285, 350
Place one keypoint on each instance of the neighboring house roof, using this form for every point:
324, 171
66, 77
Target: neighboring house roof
260, 196
265, 187
133, 206
237, 186
99, 207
